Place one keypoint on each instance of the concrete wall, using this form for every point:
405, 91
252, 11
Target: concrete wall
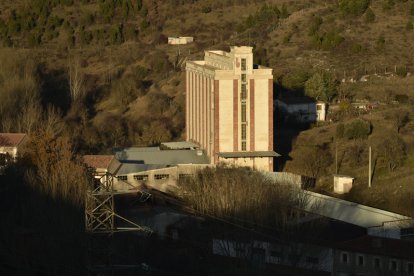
12, 151
353, 267
226, 118
180, 40
261, 109
154, 179
276, 253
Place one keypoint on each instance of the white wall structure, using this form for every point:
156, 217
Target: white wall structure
377, 222
229, 108
342, 184
180, 40
162, 179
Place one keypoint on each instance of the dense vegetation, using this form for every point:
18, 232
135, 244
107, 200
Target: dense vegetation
86, 76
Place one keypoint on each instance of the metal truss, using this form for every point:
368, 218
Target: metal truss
100, 208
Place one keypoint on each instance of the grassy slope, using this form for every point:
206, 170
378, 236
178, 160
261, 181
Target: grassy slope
218, 29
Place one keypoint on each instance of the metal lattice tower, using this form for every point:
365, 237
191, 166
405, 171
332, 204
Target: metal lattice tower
100, 208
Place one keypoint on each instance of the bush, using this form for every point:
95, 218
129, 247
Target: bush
295, 80
326, 41
402, 98
322, 86
369, 16
316, 22
265, 15
409, 26
401, 71
340, 130
358, 129
206, 9
353, 7
239, 195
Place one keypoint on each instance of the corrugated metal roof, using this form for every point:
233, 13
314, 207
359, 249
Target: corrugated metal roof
180, 145
162, 157
349, 212
245, 154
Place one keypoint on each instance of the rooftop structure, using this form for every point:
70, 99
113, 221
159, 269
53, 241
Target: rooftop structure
229, 108
155, 156
11, 139
377, 222
179, 145
98, 161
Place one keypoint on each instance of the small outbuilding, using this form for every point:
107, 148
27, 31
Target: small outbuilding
180, 40
342, 183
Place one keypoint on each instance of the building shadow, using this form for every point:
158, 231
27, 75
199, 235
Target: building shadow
293, 113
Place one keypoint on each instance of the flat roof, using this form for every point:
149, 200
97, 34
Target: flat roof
162, 157
180, 145
245, 154
349, 212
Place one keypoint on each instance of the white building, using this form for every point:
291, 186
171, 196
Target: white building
180, 40
229, 108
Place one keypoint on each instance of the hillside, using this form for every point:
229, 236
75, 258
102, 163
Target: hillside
101, 72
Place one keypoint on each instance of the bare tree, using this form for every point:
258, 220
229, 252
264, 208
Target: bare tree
76, 80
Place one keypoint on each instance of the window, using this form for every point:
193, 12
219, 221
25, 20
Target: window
243, 113
360, 260
243, 77
243, 132
161, 176
393, 265
344, 257
410, 268
185, 175
377, 263
243, 144
312, 260
243, 91
143, 177
122, 177
243, 64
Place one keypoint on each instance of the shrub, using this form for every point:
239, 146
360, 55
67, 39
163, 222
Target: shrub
115, 34
401, 71
316, 22
340, 130
358, 129
321, 86
206, 9
295, 80
409, 26
369, 16
402, 98
353, 7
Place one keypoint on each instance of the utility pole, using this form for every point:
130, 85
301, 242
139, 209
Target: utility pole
369, 168
336, 157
